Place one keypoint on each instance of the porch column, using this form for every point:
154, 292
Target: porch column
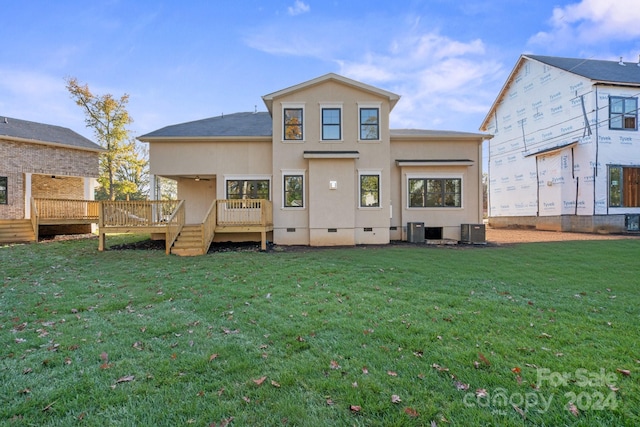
153, 190
27, 196
89, 187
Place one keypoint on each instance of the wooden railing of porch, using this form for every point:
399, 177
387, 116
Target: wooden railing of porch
145, 216
64, 211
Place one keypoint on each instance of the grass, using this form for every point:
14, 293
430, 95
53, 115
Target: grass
461, 336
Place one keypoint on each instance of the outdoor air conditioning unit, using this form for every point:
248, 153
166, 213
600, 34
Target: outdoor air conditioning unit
415, 232
473, 234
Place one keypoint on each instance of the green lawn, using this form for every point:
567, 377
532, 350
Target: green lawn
542, 334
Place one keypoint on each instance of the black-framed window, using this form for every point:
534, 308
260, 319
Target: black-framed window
435, 192
331, 127
369, 123
624, 187
369, 191
248, 189
293, 191
4, 190
293, 129
623, 113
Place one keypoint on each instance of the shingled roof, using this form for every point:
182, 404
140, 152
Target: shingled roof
595, 69
229, 125
17, 129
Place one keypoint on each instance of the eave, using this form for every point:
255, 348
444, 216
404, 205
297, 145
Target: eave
52, 144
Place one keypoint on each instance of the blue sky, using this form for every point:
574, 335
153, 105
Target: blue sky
187, 60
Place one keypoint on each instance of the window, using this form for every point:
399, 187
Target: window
370, 191
623, 113
435, 192
293, 123
331, 124
248, 189
624, 187
3, 190
293, 191
369, 124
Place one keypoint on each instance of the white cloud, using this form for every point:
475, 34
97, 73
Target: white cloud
591, 22
298, 8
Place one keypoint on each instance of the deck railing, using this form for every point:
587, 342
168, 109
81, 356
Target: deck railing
65, 209
175, 222
240, 212
145, 213
209, 227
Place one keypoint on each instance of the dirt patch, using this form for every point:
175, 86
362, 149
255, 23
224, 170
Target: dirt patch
502, 236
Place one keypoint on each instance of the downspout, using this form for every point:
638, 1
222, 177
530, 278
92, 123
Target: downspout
537, 189
595, 165
577, 179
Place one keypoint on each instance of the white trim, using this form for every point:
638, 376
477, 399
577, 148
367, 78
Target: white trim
431, 175
377, 172
293, 105
294, 172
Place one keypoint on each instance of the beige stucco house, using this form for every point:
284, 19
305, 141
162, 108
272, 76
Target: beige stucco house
41, 161
334, 171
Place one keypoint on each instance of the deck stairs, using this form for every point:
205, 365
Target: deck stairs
16, 231
189, 241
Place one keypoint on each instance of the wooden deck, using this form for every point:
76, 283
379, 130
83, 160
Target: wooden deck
158, 217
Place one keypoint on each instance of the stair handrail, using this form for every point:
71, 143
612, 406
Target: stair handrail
34, 218
175, 222
209, 226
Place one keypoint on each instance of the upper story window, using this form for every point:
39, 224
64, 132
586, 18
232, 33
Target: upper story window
623, 113
4, 183
435, 192
293, 126
370, 124
248, 189
331, 124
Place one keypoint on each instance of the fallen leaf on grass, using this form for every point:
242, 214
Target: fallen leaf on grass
520, 411
260, 380
46, 408
355, 408
484, 359
365, 370
229, 331
439, 368
392, 373
481, 392
223, 423
246, 399
411, 412
624, 372
213, 356
334, 365
544, 335
573, 409
395, 398
461, 386
125, 379
275, 384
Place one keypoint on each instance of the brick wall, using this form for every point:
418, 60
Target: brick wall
68, 164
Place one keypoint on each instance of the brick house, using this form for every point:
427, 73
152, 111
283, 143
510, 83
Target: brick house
42, 161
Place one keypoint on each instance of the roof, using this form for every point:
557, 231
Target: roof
33, 132
392, 97
230, 125
596, 70
440, 134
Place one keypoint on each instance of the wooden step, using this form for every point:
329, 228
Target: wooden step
16, 231
189, 242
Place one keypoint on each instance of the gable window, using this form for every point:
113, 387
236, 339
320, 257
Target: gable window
293, 129
293, 187
623, 113
369, 123
435, 192
248, 189
331, 124
370, 190
4, 183
624, 187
